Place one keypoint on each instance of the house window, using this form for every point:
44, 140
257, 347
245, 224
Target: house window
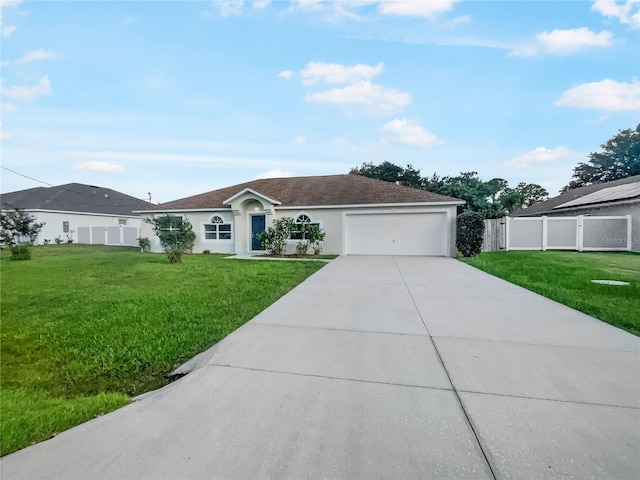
122, 221
300, 220
218, 229
65, 227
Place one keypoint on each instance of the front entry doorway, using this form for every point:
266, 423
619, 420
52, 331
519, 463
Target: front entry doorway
257, 227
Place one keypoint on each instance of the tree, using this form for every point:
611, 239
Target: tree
175, 233
619, 158
18, 231
389, 172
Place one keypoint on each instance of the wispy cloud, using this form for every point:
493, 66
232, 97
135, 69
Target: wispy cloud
10, 3
8, 108
300, 140
100, 166
374, 98
36, 55
564, 42
287, 74
627, 12
537, 156
607, 95
422, 9
410, 133
335, 73
8, 30
229, 8
461, 20
27, 94
261, 4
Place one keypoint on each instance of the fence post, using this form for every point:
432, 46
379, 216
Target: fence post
580, 233
545, 226
121, 235
506, 243
629, 236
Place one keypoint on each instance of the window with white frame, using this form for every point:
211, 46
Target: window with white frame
122, 221
301, 219
217, 229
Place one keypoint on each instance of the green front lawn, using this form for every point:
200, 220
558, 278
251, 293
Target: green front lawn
84, 328
566, 278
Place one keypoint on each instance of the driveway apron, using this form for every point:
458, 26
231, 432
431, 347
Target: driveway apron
381, 367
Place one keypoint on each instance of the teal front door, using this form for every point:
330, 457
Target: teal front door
257, 227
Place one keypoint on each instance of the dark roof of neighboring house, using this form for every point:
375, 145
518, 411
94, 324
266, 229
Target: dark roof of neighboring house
73, 197
584, 197
312, 191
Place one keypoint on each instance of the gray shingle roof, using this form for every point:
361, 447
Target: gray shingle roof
571, 198
312, 191
73, 197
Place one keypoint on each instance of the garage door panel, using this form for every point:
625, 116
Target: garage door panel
396, 234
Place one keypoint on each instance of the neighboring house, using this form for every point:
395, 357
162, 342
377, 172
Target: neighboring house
360, 215
616, 198
67, 210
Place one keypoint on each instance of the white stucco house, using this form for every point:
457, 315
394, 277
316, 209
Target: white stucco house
81, 213
359, 215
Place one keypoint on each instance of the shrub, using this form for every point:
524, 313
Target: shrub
470, 233
274, 239
18, 230
58, 240
175, 233
20, 252
144, 243
47, 241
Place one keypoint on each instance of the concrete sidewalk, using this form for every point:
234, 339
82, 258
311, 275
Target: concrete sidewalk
381, 367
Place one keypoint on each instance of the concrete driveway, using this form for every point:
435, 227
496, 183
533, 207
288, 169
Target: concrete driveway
381, 367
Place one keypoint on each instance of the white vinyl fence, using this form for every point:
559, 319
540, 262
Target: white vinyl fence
581, 233
115, 235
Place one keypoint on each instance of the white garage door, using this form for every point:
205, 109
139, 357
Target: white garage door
397, 234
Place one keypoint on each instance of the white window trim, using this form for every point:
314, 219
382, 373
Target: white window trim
216, 240
313, 221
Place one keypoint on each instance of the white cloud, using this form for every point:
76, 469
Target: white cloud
564, 42
306, 5
464, 19
537, 156
35, 55
8, 108
607, 95
8, 30
300, 140
28, 94
4, 135
100, 166
374, 98
411, 133
10, 3
229, 7
422, 9
336, 73
260, 4
274, 174
286, 74
626, 12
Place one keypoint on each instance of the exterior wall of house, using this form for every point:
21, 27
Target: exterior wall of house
331, 220
55, 227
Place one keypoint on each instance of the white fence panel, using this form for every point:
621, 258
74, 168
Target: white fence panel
116, 235
582, 233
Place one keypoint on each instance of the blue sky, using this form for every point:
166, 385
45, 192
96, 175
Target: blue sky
179, 98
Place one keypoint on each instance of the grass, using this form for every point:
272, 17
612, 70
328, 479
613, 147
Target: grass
85, 327
566, 278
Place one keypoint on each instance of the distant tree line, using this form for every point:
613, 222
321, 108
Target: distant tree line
492, 199
619, 158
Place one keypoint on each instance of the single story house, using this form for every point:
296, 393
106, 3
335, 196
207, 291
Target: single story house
81, 213
615, 198
359, 215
